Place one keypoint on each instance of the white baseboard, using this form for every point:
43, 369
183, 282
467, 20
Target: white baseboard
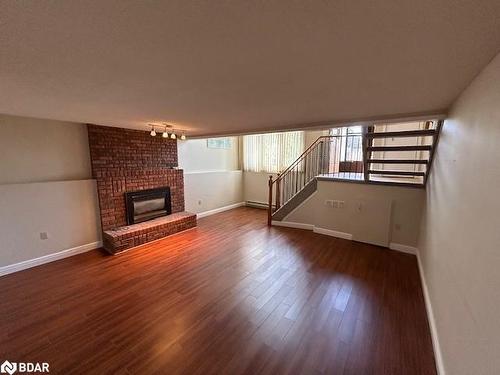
220, 209
328, 232
333, 233
291, 224
403, 248
11, 268
432, 322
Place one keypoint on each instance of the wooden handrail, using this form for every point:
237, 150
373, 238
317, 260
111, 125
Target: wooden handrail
296, 161
283, 174
316, 161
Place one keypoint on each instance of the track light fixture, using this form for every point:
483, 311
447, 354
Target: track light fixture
169, 132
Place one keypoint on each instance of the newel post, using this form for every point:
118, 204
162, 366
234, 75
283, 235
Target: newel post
270, 203
278, 193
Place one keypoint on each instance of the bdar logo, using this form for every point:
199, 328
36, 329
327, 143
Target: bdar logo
8, 367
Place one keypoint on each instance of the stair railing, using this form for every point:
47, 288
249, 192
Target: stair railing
355, 157
314, 161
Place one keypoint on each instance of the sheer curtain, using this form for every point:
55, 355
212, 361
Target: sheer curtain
271, 153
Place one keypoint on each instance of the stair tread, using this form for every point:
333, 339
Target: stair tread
397, 173
399, 148
398, 161
406, 133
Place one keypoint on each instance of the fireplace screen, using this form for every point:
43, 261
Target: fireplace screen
149, 204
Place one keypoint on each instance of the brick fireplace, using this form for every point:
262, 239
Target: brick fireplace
124, 161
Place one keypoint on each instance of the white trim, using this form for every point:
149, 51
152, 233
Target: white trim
403, 248
333, 233
328, 232
220, 209
214, 171
291, 224
11, 268
432, 321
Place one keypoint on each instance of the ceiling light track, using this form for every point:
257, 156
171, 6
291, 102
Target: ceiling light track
168, 132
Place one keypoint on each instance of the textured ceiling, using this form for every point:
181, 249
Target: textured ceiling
220, 67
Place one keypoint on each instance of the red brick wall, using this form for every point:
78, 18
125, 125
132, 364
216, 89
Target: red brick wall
129, 160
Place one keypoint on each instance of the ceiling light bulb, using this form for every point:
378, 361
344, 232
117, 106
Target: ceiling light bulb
153, 132
183, 137
173, 136
165, 134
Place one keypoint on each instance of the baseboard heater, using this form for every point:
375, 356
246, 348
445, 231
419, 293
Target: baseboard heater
256, 204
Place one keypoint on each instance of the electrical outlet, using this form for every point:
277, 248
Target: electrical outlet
334, 203
44, 236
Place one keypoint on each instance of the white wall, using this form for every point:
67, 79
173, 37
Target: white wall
45, 186
34, 150
212, 178
256, 186
205, 191
66, 210
460, 238
372, 213
195, 156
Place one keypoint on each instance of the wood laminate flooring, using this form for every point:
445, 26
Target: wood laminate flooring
231, 296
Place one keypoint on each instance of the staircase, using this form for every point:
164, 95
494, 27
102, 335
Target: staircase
376, 155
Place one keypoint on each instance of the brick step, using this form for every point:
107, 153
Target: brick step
126, 237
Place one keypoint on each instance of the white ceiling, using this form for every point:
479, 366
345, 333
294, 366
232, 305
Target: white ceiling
221, 67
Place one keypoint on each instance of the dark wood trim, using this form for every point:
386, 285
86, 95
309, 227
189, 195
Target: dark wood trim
371, 182
400, 148
406, 134
270, 202
397, 161
365, 143
397, 173
278, 194
433, 151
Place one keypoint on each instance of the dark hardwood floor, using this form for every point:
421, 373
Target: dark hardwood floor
229, 297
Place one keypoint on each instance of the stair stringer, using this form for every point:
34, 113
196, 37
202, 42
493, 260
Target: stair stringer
296, 200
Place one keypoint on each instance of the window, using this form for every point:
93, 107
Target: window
224, 143
351, 143
271, 153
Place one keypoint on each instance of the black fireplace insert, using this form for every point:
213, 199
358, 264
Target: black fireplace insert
148, 204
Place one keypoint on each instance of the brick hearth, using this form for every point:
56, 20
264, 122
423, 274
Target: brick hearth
122, 238
126, 160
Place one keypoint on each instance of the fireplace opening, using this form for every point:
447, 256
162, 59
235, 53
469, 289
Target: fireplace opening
148, 204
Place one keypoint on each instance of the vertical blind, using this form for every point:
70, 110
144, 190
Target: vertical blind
271, 153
